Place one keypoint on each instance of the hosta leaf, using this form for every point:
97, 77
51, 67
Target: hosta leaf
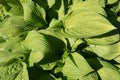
42, 3
61, 11
12, 49
55, 24
111, 1
106, 64
93, 6
90, 76
34, 14
52, 33
101, 2
117, 59
10, 56
57, 10
51, 3
13, 26
105, 74
84, 23
15, 7
73, 43
109, 38
43, 47
78, 65
118, 66
24, 1
14, 71
108, 52
48, 66
108, 71
23, 75
76, 1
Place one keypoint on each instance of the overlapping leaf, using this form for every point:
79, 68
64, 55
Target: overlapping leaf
78, 65
34, 14
108, 69
75, 22
108, 52
43, 47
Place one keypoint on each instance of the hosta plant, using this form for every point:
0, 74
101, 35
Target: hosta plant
59, 40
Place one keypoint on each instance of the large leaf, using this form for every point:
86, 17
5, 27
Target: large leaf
108, 52
76, 67
34, 14
14, 71
43, 47
85, 22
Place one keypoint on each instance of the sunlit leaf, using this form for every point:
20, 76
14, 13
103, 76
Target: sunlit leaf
106, 71
78, 65
108, 52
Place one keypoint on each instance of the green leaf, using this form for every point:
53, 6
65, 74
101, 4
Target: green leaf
13, 7
76, 1
43, 47
117, 59
93, 6
108, 52
101, 2
5, 4
57, 10
90, 76
34, 14
108, 71
111, 1
51, 3
105, 74
48, 66
55, 24
12, 49
14, 71
13, 26
42, 3
2, 39
85, 22
61, 11
76, 44
76, 67
109, 38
